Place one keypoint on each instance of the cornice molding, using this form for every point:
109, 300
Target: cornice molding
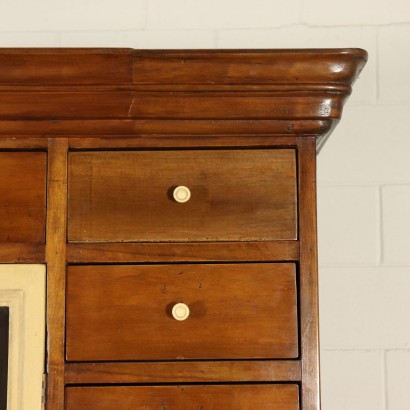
59, 87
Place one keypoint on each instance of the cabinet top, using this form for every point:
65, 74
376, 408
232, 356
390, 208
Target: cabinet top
329, 68
265, 85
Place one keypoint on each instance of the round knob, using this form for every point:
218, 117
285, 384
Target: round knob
180, 311
182, 194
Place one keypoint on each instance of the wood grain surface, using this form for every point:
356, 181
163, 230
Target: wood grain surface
309, 304
183, 372
237, 311
222, 397
155, 119
183, 252
169, 67
65, 66
22, 252
56, 262
116, 128
303, 91
22, 197
235, 195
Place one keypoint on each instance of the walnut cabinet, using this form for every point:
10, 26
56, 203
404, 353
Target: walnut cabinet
171, 195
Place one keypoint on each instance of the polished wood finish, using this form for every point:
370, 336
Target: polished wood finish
309, 323
68, 66
113, 102
115, 128
237, 311
22, 252
56, 260
183, 252
23, 142
169, 67
284, 67
234, 105
221, 397
235, 195
180, 141
22, 197
169, 105
183, 371
294, 87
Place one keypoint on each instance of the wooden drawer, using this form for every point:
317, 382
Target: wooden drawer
237, 311
236, 195
191, 397
22, 196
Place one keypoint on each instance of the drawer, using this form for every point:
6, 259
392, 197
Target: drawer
190, 397
23, 196
236, 311
235, 195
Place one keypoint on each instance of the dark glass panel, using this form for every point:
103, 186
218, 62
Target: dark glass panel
4, 353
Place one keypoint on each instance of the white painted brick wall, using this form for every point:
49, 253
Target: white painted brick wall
29, 39
352, 379
370, 145
365, 308
363, 171
353, 12
394, 62
348, 235
199, 14
398, 379
396, 225
151, 39
52, 15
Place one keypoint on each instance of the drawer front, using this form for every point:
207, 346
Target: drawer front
219, 397
236, 311
236, 195
22, 196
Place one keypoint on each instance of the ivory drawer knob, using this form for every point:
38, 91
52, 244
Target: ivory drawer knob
182, 194
180, 311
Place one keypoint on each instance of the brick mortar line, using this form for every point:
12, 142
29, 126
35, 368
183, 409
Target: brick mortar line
350, 349
384, 380
302, 25
380, 227
377, 59
381, 266
361, 185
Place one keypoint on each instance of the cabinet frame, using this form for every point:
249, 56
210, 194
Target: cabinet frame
62, 100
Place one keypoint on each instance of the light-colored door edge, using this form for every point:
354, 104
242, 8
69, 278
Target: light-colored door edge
23, 289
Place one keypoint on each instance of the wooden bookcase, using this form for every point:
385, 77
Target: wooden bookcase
166, 185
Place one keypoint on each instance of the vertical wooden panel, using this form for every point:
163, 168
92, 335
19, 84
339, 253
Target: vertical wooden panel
309, 327
22, 197
56, 257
